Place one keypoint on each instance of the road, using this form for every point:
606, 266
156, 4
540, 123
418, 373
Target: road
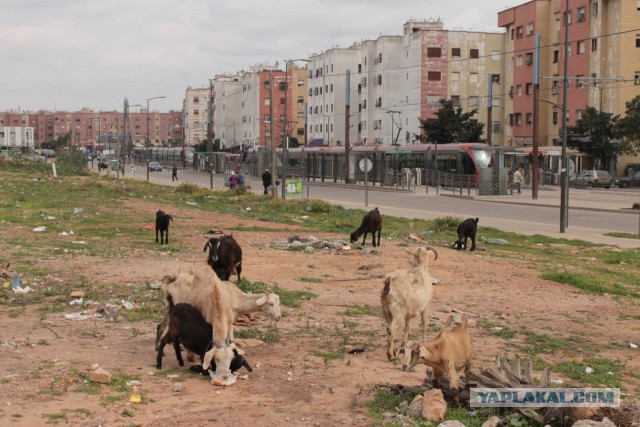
592, 213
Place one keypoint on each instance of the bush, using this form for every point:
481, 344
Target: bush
72, 162
442, 224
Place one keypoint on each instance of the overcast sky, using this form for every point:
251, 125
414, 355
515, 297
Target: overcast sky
70, 54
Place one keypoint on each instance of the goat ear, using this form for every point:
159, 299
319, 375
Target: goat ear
237, 349
206, 246
424, 353
261, 300
208, 356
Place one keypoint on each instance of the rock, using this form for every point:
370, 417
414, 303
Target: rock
492, 422
309, 249
296, 243
582, 413
433, 405
248, 342
415, 408
606, 422
451, 423
177, 387
100, 376
76, 294
403, 406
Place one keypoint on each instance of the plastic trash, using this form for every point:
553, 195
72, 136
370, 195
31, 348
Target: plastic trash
40, 228
496, 241
15, 282
135, 398
588, 370
77, 211
127, 305
632, 345
77, 301
22, 290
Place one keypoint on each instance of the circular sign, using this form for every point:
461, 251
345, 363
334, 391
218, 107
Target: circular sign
365, 165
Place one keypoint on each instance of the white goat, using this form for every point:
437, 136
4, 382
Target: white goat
407, 294
209, 295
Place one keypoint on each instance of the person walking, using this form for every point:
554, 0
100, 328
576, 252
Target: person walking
518, 177
266, 181
241, 179
132, 170
233, 181
174, 173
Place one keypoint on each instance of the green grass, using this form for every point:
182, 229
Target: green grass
597, 285
539, 343
363, 310
270, 334
605, 372
623, 235
309, 279
288, 298
496, 329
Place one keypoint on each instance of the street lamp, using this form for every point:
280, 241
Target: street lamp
148, 142
564, 175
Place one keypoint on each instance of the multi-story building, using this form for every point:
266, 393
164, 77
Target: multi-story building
16, 137
98, 129
395, 80
603, 62
196, 115
227, 109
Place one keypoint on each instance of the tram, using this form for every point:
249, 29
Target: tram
164, 155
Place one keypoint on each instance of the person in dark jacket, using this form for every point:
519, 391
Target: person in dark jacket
266, 181
174, 173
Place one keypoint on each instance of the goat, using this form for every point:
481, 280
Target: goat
446, 354
371, 223
162, 226
405, 295
225, 256
467, 229
241, 304
206, 293
188, 327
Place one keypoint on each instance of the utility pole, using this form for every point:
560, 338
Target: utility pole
210, 134
347, 116
494, 171
274, 168
536, 114
284, 130
564, 170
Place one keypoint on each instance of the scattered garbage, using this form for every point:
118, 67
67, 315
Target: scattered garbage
135, 398
15, 282
95, 310
156, 285
192, 203
632, 345
147, 227
64, 233
557, 382
247, 209
416, 237
588, 370
79, 242
495, 241
77, 211
127, 305
77, 301
25, 290
304, 217
39, 229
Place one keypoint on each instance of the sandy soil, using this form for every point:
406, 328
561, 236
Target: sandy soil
41, 359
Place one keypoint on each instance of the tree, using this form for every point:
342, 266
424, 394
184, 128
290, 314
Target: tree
452, 125
628, 127
592, 134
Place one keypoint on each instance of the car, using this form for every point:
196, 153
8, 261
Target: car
592, 178
155, 166
628, 181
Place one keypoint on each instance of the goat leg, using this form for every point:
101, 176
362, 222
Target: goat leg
473, 242
159, 355
176, 347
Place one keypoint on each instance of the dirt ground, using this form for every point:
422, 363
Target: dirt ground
291, 382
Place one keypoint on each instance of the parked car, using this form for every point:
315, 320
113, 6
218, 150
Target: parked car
628, 181
592, 178
155, 166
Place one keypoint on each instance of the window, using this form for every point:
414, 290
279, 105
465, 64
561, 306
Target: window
496, 127
529, 88
528, 58
519, 90
331, 86
455, 99
434, 52
267, 85
283, 101
300, 83
455, 76
434, 99
637, 40
518, 119
300, 131
519, 61
594, 8
510, 119
433, 76
637, 4
556, 56
473, 100
519, 32
196, 99
555, 117
474, 53
282, 85
196, 112
513, 32
579, 81
594, 45
636, 78
567, 18
578, 114
581, 45
473, 77
455, 52
266, 101
496, 102
529, 118
301, 100
495, 55
554, 87
379, 102
582, 14
529, 29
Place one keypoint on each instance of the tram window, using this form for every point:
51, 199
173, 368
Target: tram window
467, 164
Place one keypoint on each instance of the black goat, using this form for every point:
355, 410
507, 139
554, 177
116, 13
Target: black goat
467, 229
225, 256
186, 326
371, 223
162, 226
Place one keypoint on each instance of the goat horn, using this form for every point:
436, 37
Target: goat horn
434, 251
207, 245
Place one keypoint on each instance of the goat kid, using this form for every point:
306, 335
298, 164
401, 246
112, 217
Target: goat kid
467, 229
162, 226
188, 327
405, 295
225, 256
371, 223
449, 352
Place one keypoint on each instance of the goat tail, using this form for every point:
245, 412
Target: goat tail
170, 217
170, 301
386, 288
477, 219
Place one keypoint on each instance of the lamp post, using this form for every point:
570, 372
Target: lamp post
564, 175
148, 141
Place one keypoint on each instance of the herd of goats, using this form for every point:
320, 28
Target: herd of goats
203, 306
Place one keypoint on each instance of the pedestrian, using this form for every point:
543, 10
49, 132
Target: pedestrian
266, 181
174, 173
518, 177
241, 179
132, 170
233, 180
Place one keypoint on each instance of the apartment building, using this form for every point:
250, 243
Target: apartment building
227, 109
92, 129
16, 137
395, 80
603, 62
196, 115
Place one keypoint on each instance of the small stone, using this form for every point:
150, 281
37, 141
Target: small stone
100, 376
451, 423
172, 376
433, 405
177, 387
492, 422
